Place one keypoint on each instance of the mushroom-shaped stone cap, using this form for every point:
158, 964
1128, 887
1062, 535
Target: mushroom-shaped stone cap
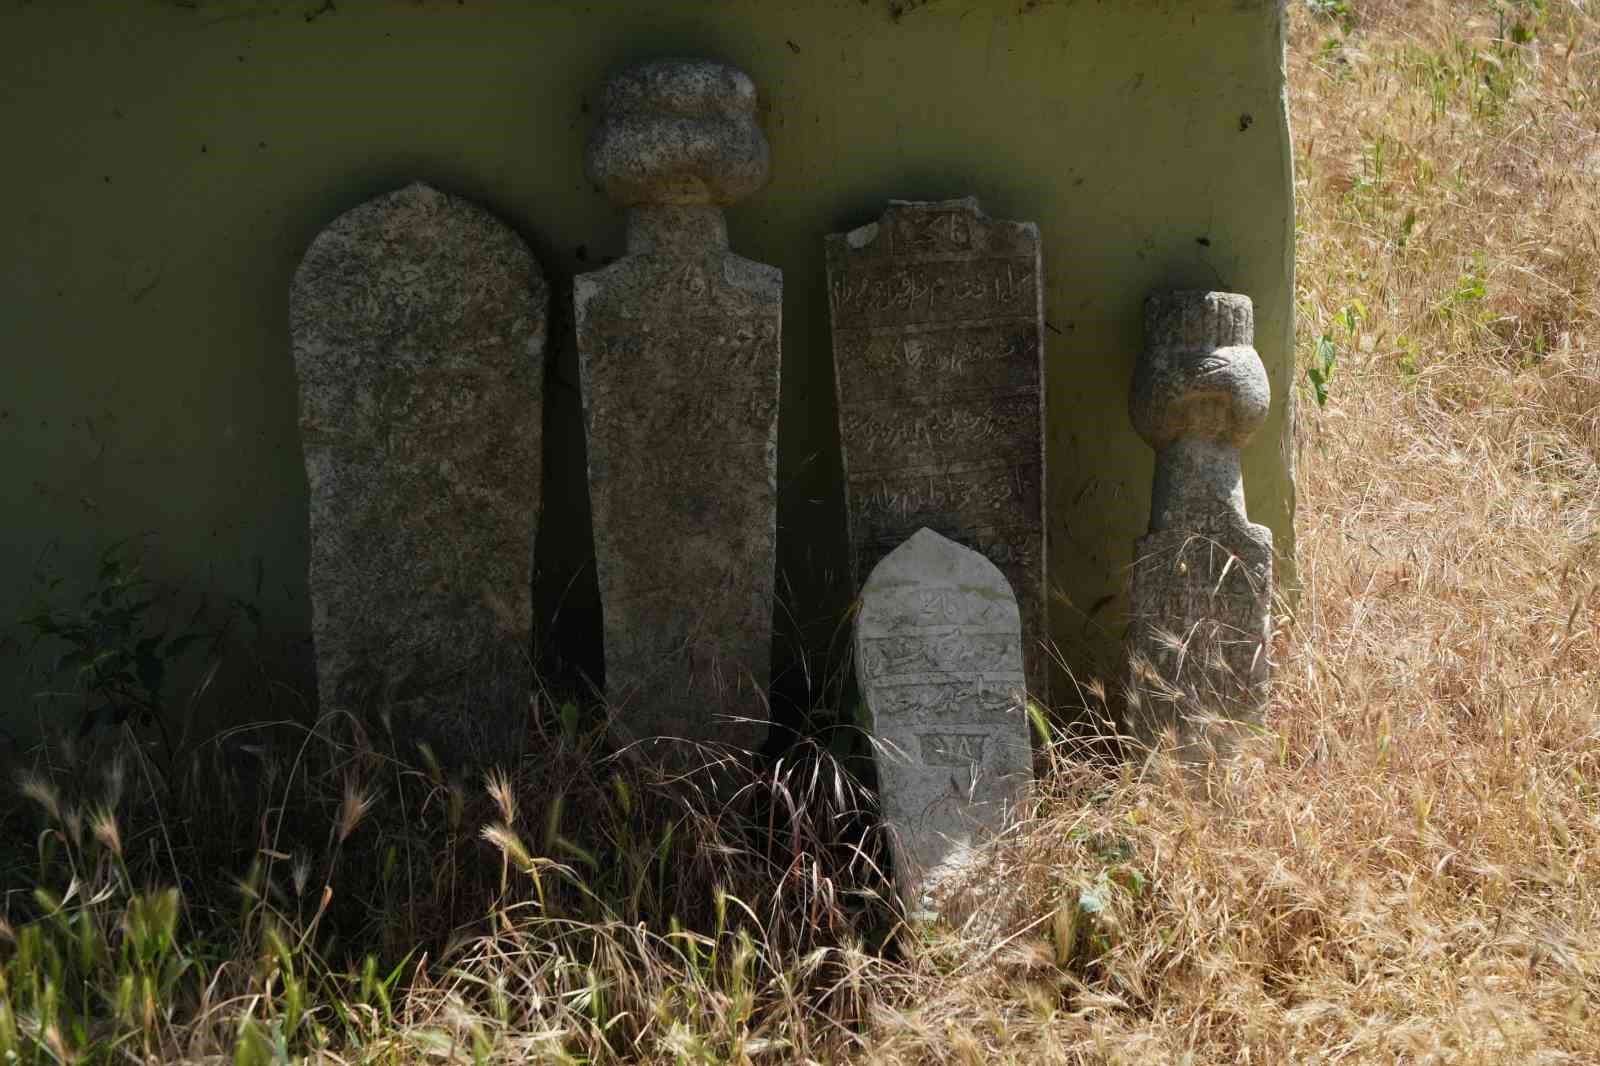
1199, 375
678, 131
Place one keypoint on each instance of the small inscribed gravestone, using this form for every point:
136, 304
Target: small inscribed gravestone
938, 322
938, 644
678, 354
418, 327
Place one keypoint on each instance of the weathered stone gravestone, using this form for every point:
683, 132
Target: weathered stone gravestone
938, 322
678, 349
1202, 578
938, 643
418, 327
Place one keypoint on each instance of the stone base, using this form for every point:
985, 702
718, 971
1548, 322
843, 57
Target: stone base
1200, 625
471, 714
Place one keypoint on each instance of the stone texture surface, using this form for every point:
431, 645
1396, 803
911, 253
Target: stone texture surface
1200, 598
938, 322
678, 131
678, 349
418, 328
938, 643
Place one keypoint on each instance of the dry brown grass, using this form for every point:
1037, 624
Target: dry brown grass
1407, 867
1404, 866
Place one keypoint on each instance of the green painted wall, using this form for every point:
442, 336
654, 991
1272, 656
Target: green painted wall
169, 160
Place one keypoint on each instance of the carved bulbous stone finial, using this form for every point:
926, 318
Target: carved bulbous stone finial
1199, 375
1199, 394
1200, 597
678, 132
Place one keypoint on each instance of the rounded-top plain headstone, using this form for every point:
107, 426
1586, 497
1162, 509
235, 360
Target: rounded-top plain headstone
418, 326
938, 643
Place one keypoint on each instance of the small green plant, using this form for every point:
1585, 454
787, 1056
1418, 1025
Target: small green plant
1340, 11
1470, 291
1441, 80
1409, 360
1325, 353
1408, 226
115, 647
1520, 21
1086, 925
1320, 373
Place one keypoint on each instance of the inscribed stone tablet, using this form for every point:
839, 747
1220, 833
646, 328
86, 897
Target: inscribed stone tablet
678, 352
938, 325
418, 325
1200, 619
939, 659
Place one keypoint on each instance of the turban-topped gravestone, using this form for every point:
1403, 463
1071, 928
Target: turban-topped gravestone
678, 353
418, 326
938, 327
1201, 588
938, 643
